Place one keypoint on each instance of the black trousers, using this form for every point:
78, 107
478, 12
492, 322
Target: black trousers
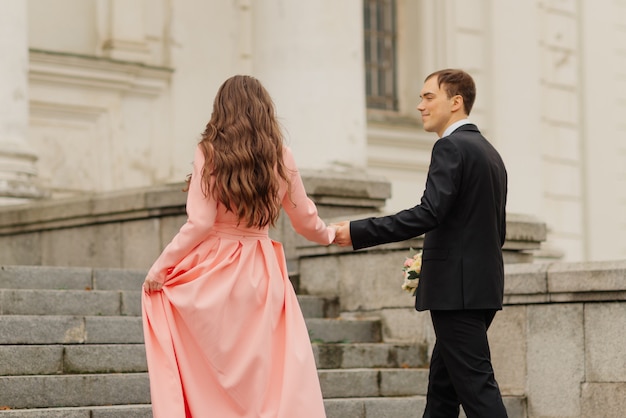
460, 368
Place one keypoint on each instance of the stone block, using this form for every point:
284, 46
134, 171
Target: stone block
406, 325
170, 225
342, 408
311, 306
166, 196
524, 229
587, 277
21, 249
122, 201
18, 329
372, 280
30, 359
140, 243
59, 302
515, 406
507, 340
319, 276
605, 342
109, 358
112, 330
74, 390
92, 245
409, 406
403, 382
47, 413
45, 277
555, 360
369, 355
126, 411
118, 279
343, 330
355, 184
348, 383
131, 303
525, 279
603, 400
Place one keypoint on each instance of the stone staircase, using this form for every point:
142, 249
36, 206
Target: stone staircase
71, 346
71, 343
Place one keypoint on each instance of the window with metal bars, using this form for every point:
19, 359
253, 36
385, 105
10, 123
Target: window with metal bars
379, 18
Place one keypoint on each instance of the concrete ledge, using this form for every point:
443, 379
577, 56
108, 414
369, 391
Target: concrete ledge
129, 228
565, 282
601, 276
93, 209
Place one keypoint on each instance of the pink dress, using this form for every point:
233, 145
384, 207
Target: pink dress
225, 338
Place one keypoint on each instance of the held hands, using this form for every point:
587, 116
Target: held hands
342, 234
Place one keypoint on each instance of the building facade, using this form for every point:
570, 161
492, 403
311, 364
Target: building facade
105, 95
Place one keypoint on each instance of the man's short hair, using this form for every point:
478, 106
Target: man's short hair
457, 82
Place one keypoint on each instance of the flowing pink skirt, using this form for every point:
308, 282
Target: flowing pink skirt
226, 338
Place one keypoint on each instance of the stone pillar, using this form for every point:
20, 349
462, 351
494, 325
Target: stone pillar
309, 54
17, 160
123, 31
516, 117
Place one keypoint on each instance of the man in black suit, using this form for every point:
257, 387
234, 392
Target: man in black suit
462, 213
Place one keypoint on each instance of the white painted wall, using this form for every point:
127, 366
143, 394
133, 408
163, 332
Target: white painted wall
123, 89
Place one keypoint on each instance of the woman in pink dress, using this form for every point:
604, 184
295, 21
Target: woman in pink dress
225, 336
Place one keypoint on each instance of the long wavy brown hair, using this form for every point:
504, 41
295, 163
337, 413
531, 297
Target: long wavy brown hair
243, 149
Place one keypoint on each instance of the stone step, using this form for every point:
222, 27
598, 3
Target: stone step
318, 307
323, 330
72, 390
335, 408
63, 278
110, 302
63, 329
47, 391
400, 407
55, 329
396, 407
70, 302
36, 290
390, 407
22, 360
113, 411
370, 382
16, 360
377, 355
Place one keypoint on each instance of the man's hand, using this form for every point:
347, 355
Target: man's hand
342, 236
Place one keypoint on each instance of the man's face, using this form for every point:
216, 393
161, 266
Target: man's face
436, 108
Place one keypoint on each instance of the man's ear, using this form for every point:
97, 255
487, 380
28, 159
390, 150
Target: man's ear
457, 103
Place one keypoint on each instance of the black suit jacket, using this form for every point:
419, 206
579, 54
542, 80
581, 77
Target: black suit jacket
462, 213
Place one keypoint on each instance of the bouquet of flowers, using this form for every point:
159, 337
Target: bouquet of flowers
411, 272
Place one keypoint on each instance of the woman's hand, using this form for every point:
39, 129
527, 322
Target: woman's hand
150, 285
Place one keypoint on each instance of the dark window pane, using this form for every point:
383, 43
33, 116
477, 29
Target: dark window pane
380, 53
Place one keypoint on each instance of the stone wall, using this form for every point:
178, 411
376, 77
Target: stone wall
129, 228
559, 340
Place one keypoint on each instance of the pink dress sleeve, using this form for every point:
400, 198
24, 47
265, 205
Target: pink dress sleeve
300, 208
201, 213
